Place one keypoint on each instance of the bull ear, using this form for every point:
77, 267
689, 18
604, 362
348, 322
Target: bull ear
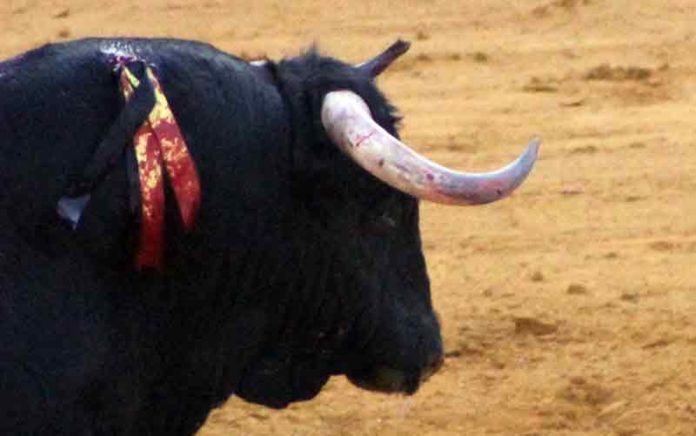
381, 62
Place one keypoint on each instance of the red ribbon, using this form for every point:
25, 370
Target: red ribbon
159, 142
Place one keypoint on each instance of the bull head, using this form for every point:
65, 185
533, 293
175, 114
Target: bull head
369, 215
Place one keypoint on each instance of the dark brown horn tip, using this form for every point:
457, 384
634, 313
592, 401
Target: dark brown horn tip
399, 47
381, 62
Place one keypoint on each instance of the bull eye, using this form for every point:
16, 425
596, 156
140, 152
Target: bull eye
387, 221
382, 223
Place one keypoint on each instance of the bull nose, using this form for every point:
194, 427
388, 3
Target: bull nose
388, 379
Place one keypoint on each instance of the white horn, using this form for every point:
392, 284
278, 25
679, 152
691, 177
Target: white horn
348, 122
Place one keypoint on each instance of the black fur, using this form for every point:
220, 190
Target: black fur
301, 265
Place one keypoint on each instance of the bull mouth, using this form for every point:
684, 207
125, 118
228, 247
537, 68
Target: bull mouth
386, 379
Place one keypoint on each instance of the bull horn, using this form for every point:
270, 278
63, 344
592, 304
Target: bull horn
379, 63
348, 122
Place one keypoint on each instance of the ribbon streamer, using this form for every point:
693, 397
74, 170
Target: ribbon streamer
159, 146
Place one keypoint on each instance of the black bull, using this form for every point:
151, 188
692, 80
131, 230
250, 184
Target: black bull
301, 264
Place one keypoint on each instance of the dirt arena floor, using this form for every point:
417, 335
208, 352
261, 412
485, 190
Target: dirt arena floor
568, 309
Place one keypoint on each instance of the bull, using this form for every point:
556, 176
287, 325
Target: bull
304, 262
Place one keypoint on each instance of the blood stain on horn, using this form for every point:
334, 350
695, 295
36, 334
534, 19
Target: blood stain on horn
362, 139
381, 163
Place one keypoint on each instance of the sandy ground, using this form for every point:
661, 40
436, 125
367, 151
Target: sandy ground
569, 309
